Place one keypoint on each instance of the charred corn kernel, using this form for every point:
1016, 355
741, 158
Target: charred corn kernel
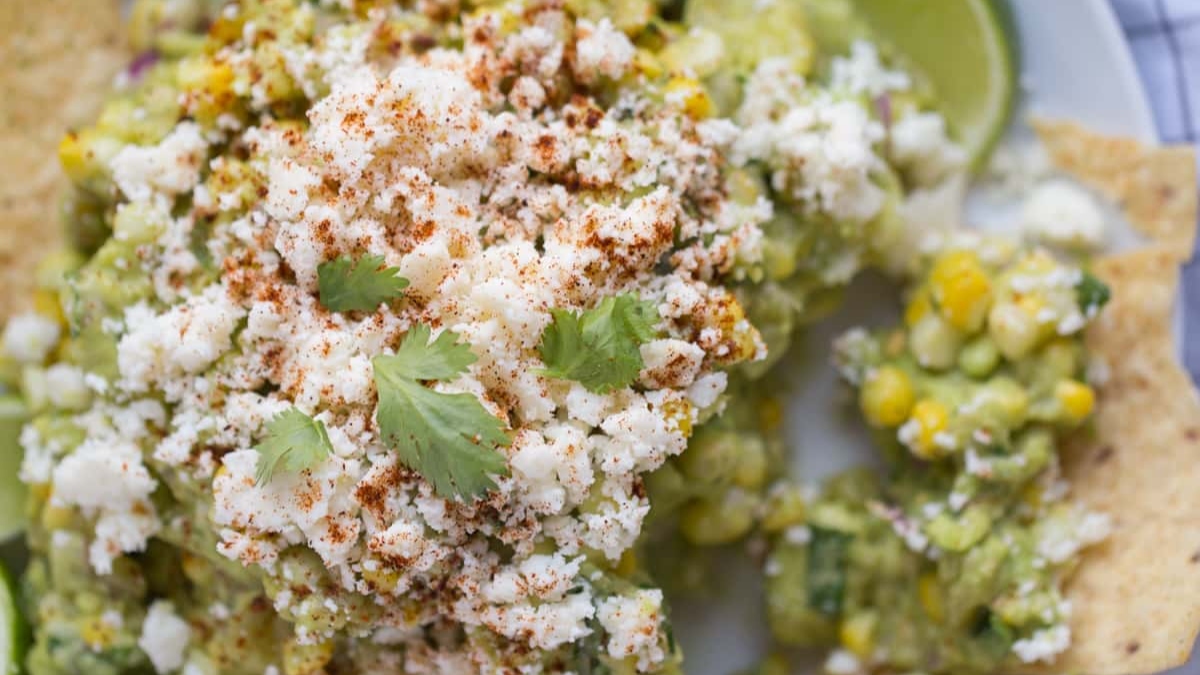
1013, 328
696, 101
929, 594
920, 432
917, 308
785, 508
887, 397
857, 634
301, 659
1077, 399
97, 633
962, 289
383, 579
627, 566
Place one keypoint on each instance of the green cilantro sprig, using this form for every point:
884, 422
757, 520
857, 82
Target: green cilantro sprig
294, 441
1091, 294
346, 285
450, 439
599, 348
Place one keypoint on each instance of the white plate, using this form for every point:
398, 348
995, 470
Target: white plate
1076, 64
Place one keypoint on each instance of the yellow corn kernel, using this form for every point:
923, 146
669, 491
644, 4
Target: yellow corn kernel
97, 633
56, 517
887, 397
627, 566
301, 659
929, 418
206, 75
1077, 399
696, 101
195, 568
857, 634
680, 412
770, 413
647, 63
917, 308
383, 579
1032, 495
74, 156
962, 288
46, 303
929, 594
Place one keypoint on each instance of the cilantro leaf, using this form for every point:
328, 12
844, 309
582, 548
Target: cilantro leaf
450, 439
1091, 294
294, 442
599, 348
827, 570
347, 285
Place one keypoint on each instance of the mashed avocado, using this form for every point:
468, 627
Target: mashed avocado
394, 336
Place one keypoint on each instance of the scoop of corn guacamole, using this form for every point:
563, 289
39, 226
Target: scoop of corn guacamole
412, 337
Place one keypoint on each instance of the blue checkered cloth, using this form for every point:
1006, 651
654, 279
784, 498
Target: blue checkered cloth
1165, 38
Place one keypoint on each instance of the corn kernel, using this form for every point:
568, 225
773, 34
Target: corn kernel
696, 101
46, 303
1077, 399
383, 579
929, 418
917, 308
887, 397
97, 633
646, 63
770, 413
1013, 328
73, 156
962, 288
628, 564
680, 412
56, 517
929, 594
857, 634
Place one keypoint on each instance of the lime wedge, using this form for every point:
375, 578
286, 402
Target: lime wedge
12, 628
962, 48
12, 491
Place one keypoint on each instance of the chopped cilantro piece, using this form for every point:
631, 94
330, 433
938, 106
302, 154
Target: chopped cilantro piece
827, 570
450, 439
347, 285
1091, 294
294, 441
599, 348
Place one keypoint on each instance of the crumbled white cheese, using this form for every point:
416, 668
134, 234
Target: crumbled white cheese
1043, 645
1061, 213
171, 167
633, 626
921, 145
863, 73
29, 337
164, 637
601, 50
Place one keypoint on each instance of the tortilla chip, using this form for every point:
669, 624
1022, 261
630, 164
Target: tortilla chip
1154, 186
59, 59
1136, 597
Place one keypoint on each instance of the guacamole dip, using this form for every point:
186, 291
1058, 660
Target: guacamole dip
412, 336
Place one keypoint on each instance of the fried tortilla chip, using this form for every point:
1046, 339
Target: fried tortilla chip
1136, 597
1154, 186
59, 59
